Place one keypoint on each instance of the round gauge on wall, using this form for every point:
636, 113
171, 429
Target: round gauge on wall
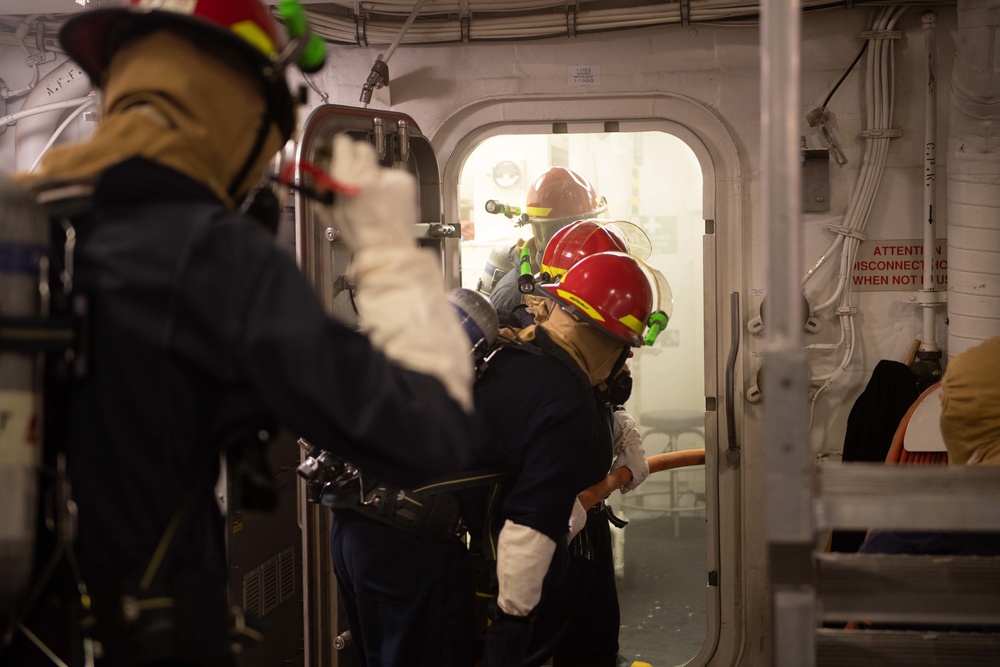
506, 174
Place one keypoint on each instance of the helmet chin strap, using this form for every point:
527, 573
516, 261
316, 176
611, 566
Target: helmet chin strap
258, 146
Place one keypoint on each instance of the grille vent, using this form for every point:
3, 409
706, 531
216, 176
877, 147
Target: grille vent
269, 584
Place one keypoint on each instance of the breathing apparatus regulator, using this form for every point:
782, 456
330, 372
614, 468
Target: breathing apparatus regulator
320, 469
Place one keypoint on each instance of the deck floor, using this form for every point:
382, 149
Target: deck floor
663, 592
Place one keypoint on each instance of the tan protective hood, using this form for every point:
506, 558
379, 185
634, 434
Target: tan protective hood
167, 100
970, 405
595, 352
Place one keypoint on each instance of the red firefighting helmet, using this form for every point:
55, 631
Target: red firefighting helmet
245, 26
557, 198
616, 293
587, 237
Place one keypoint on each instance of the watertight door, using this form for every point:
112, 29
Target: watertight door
400, 145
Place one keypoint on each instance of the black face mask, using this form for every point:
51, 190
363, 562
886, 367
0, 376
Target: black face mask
620, 389
262, 204
619, 384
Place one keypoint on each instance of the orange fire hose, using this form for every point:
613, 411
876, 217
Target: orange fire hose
619, 478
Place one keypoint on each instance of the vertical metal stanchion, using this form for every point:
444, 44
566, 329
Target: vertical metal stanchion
788, 454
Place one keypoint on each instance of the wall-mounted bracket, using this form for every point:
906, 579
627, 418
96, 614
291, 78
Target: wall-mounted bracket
815, 180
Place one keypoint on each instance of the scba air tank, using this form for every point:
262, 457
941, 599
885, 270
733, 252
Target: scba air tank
24, 236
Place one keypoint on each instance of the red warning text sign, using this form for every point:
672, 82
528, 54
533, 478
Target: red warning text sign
885, 265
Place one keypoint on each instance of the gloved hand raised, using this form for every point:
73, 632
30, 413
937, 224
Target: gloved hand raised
383, 208
400, 289
629, 452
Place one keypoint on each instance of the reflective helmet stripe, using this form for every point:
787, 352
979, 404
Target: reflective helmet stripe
538, 211
632, 323
581, 304
252, 33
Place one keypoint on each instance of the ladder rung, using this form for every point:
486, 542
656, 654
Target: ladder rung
877, 648
907, 497
909, 588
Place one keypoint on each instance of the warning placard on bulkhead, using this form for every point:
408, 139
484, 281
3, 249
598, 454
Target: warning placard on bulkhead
885, 265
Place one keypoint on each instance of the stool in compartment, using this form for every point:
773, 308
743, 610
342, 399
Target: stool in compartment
673, 424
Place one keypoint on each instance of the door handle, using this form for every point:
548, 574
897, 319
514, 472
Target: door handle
733, 452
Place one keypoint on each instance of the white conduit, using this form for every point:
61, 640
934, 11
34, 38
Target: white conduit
879, 100
12, 118
974, 180
86, 104
928, 340
60, 86
446, 24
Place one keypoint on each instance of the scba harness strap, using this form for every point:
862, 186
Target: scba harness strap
431, 511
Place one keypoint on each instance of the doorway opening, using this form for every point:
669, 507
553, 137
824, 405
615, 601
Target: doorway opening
654, 180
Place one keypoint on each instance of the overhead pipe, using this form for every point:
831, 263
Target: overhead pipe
928, 342
928, 365
974, 180
493, 20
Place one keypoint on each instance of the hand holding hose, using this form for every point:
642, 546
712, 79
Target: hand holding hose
615, 480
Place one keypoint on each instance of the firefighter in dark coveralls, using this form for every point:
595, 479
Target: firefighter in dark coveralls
555, 593
400, 556
204, 331
406, 587
565, 249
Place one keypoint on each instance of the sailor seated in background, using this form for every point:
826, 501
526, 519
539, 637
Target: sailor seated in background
970, 426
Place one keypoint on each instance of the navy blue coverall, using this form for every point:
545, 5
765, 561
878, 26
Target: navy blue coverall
409, 599
203, 329
552, 432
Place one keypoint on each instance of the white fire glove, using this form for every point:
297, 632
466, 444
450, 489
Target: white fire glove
400, 289
523, 558
383, 210
577, 520
629, 452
